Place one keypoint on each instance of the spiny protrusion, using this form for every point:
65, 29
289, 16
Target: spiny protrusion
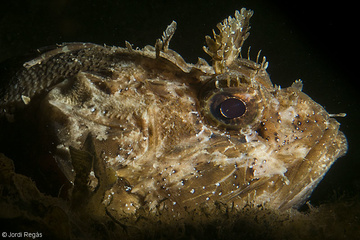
163, 43
226, 46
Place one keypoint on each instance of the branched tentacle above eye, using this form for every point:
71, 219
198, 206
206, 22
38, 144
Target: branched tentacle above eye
226, 46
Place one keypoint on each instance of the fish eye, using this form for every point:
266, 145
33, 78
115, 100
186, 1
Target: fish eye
232, 108
228, 106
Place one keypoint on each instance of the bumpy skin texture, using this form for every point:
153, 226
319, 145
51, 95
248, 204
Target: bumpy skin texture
141, 128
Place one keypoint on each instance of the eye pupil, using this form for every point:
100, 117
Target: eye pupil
232, 108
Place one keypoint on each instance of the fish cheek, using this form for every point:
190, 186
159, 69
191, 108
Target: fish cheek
294, 119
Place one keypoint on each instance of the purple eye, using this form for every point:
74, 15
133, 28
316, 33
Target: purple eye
230, 103
228, 108
232, 108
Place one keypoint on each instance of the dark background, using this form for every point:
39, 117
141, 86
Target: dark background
301, 39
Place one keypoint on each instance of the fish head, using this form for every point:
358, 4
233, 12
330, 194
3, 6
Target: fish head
281, 142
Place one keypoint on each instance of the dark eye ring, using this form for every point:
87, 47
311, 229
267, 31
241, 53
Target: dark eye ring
227, 108
232, 108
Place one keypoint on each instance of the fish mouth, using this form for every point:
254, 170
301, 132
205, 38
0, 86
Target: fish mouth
305, 176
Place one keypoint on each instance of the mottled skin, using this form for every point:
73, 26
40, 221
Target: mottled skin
139, 128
